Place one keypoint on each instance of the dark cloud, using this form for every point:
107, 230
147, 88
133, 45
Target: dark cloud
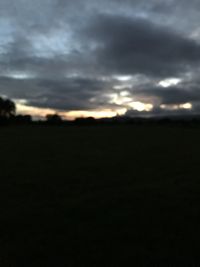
71, 94
130, 46
66, 94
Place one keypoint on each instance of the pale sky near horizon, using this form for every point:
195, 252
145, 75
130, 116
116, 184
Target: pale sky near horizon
101, 58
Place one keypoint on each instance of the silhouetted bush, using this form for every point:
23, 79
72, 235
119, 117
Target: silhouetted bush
21, 119
53, 119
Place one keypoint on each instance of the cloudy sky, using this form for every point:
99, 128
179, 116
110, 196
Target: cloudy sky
101, 58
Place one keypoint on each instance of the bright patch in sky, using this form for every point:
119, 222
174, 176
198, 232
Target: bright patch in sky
124, 99
109, 113
169, 82
49, 45
119, 99
186, 106
122, 86
139, 106
177, 107
123, 78
124, 93
20, 75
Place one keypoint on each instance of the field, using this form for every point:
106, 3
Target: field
99, 196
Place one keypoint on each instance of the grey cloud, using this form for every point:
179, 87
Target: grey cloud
172, 95
67, 94
159, 112
131, 46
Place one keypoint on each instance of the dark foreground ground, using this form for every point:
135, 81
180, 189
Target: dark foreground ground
99, 196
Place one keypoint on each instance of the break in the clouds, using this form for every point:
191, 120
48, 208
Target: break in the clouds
101, 58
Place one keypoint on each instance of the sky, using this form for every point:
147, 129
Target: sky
103, 58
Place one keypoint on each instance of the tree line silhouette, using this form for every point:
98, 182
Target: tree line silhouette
8, 116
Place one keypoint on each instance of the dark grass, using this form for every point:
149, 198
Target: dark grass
99, 196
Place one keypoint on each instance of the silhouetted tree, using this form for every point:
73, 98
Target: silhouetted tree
53, 118
7, 108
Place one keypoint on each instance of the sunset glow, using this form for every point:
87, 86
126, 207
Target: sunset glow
69, 115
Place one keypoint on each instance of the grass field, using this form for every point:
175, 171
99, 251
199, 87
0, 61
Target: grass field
99, 196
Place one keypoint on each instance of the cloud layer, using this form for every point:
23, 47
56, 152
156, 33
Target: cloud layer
91, 55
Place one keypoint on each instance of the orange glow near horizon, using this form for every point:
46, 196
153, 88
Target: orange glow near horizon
40, 113
33, 111
69, 115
